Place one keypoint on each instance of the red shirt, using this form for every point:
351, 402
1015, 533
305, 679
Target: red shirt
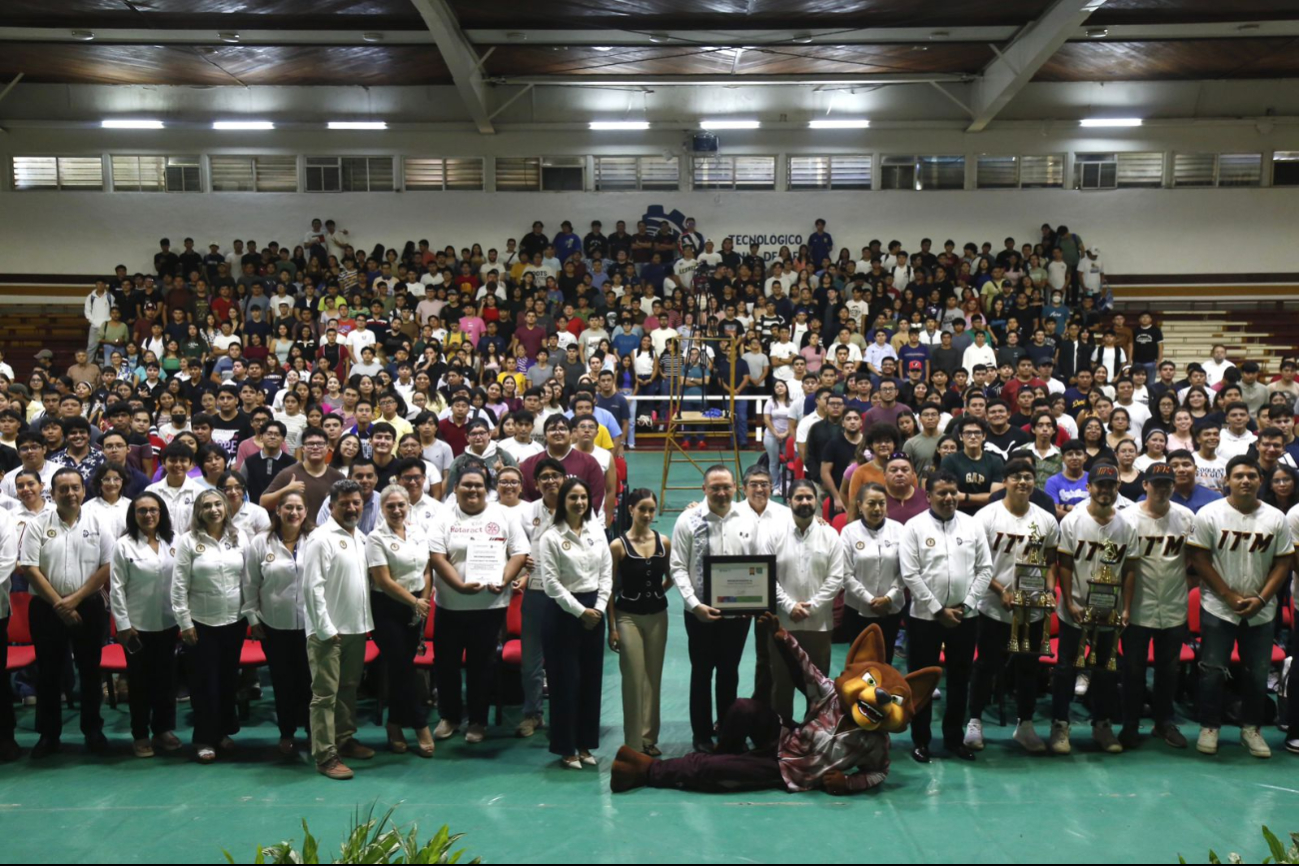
455, 435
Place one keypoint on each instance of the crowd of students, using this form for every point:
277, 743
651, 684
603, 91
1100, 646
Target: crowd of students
336, 447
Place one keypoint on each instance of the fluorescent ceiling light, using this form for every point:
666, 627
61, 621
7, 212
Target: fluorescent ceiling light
243, 124
619, 124
358, 124
1111, 121
131, 124
838, 124
730, 124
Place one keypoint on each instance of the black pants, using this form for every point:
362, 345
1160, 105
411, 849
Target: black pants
993, 638
1168, 649
714, 647
53, 640
398, 640
927, 640
473, 635
1104, 688
286, 656
574, 669
854, 624
214, 680
152, 672
7, 721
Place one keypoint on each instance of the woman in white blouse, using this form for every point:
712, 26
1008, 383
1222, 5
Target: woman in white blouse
477, 551
207, 597
398, 557
273, 604
140, 575
109, 505
874, 592
577, 571
248, 517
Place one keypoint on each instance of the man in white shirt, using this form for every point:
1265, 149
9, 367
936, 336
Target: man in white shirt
769, 519
1216, 365
96, 311
31, 451
708, 258
1008, 525
1091, 272
1085, 533
782, 354
810, 570
1125, 398
777, 277
65, 558
947, 566
1158, 608
1236, 439
176, 488
1210, 467
1242, 550
337, 597
684, 268
716, 644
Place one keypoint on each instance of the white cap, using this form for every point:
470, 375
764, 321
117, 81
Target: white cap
1094, 251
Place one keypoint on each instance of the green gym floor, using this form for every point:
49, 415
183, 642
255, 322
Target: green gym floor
514, 805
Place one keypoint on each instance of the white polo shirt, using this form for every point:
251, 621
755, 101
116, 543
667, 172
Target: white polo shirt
179, 501
139, 587
945, 563
337, 582
873, 566
8, 557
67, 554
406, 558
208, 582
275, 594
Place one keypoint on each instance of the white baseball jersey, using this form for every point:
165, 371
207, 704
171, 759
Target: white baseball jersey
1159, 598
1082, 538
1007, 543
1243, 547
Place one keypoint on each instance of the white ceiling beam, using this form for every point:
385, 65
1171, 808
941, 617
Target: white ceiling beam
1018, 62
461, 59
677, 38
728, 80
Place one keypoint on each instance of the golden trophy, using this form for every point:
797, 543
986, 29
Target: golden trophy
1030, 593
1101, 610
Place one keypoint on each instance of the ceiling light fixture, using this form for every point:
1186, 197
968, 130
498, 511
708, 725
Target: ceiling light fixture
618, 124
659, 38
131, 124
730, 124
372, 37
1097, 33
801, 38
243, 124
1110, 121
83, 35
839, 124
358, 124
602, 47
228, 36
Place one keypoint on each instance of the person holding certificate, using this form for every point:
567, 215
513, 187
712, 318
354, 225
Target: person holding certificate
477, 552
577, 571
810, 572
713, 528
398, 557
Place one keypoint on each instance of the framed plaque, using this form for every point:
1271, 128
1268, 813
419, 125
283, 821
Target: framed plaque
740, 585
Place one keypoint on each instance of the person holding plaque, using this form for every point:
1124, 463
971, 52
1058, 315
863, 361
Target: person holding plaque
536, 517
873, 588
577, 571
1158, 607
716, 644
809, 573
946, 565
1022, 541
1099, 549
768, 518
477, 552
1242, 550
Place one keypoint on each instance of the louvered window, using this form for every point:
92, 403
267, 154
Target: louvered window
156, 174
1240, 169
940, 172
997, 172
254, 173
830, 172
441, 173
349, 174
637, 172
1041, 171
58, 172
1141, 170
734, 172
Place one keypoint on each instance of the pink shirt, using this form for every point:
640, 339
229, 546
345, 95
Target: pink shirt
473, 328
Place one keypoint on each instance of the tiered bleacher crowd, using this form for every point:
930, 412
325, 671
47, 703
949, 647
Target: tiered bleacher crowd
317, 460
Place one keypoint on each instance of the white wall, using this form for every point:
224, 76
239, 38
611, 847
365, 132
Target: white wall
1176, 231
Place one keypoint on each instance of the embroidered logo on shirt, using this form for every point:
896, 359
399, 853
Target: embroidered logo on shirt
567, 545
270, 557
536, 521
343, 545
929, 542
200, 548
51, 533
395, 546
861, 545
172, 551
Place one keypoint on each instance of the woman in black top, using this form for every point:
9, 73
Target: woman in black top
638, 620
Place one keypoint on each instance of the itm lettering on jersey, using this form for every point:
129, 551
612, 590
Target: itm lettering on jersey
1171, 544
1087, 550
1011, 542
1257, 540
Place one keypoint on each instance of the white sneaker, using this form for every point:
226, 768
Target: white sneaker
445, 730
1060, 738
476, 734
1081, 684
1251, 739
974, 735
1207, 744
1103, 734
1026, 735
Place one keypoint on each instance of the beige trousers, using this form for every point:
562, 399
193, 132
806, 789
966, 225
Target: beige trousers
336, 670
642, 639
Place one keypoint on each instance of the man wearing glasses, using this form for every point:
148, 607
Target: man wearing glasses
312, 477
978, 473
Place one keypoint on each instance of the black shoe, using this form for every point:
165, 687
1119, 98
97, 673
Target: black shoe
1129, 738
97, 744
45, 747
9, 751
920, 754
962, 751
705, 746
1170, 735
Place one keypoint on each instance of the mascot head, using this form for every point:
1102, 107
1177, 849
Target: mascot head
876, 696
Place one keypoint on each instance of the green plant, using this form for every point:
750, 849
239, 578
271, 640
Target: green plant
370, 840
1280, 854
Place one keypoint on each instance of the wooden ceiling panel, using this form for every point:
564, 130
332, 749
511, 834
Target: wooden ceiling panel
515, 60
1174, 60
223, 65
217, 14
740, 14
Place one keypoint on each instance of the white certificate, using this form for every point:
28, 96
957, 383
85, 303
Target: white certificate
485, 562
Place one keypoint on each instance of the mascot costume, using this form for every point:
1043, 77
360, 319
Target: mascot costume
842, 746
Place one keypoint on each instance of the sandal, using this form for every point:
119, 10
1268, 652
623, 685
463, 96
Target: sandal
206, 754
571, 763
425, 745
396, 740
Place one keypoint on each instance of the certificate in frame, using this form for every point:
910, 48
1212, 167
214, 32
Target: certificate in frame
740, 585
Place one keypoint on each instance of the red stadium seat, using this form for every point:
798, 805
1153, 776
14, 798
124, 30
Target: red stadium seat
21, 652
425, 658
839, 522
511, 657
